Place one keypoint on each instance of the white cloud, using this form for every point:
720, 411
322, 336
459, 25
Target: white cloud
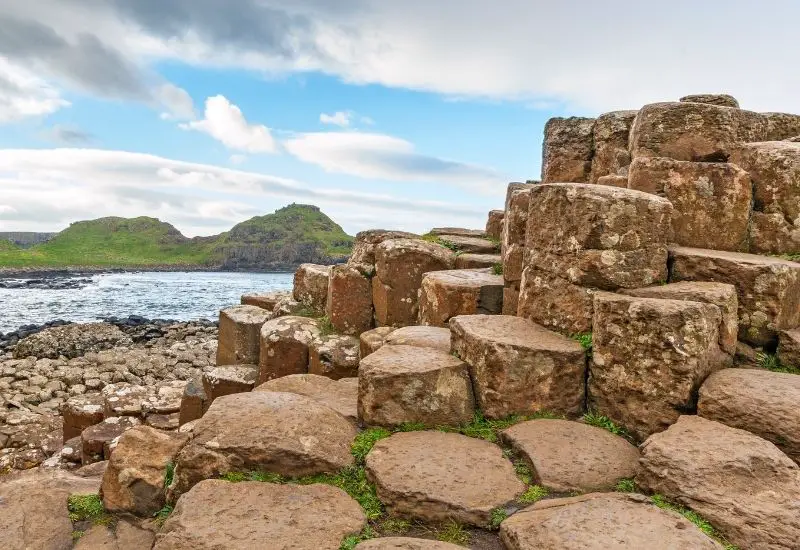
225, 122
177, 100
23, 94
339, 118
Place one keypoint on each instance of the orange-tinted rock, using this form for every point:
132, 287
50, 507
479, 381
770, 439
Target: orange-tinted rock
229, 379
366, 242
311, 286
80, 412
511, 298
445, 294
96, 440
494, 225
194, 402
239, 327
721, 100
610, 143
470, 245
789, 348
567, 150
421, 337
266, 301
372, 340
477, 261
349, 305
284, 346
340, 395
613, 181
335, 356
554, 302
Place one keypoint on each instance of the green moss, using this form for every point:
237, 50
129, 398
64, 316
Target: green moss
436, 239
585, 340
411, 427
326, 328
498, 516
88, 508
523, 471
594, 419
703, 524
350, 542
534, 493
482, 428
771, 362
162, 515
365, 440
452, 532
497, 268
394, 526
626, 485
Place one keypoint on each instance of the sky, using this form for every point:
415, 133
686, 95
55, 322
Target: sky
386, 114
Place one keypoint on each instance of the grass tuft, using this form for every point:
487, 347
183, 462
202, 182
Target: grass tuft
482, 428
162, 515
169, 475
88, 508
353, 481
594, 419
326, 328
498, 516
395, 526
350, 542
411, 427
436, 239
523, 471
365, 440
452, 532
534, 493
625, 485
771, 362
701, 523
497, 268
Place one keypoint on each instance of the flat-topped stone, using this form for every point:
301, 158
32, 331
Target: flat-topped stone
518, 367
349, 304
229, 379
721, 100
421, 337
285, 346
123, 535
478, 261
445, 294
571, 456
405, 543
610, 144
401, 384
474, 245
459, 231
96, 441
599, 521
372, 340
553, 302
194, 402
789, 348
567, 149
239, 327
340, 395
311, 286
80, 412
436, 476
366, 241
123, 399
613, 181
266, 301
335, 356
494, 224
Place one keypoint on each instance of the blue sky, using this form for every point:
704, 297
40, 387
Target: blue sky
400, 115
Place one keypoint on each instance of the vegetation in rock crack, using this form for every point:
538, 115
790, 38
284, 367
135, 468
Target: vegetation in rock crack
395, 526
411, 427
162, 515
77, 534
585, 340
350, 542
494, 240
365, 440
306, 311
703, 524
169, 474
326, 328
497, 517
625, 485
482, 428
534, 493
452, 532
598, 420
521, 468
436, 239
791, 257
497, 268
88, 508
771, 362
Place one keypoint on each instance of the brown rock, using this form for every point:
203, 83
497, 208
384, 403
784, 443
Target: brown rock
445, 294
134, 479
165, 398
288, 306
649, 357
780, 126
80, 412
514, 227
743, 485
335, 356
721, 100
124, 536
266, 301
768, 288
435, 476
789, 348
421, 337
599, 521
518, 367
167, 422
340, 395
284, 433
611, 131
571, 456
759, 401
284, 346
613, 181
407, 384
458, 231
473, 245
401, 263
239, 327
746, 357
494, 225
372, 340
311, 286
567, 150
194, 402
405, 543
511, 298
229, 379
123, 399
96, 440
349, 306
477, 261
366, 241
217, 514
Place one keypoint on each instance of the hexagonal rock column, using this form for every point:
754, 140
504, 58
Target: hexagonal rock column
194, 402
471, 245
407, 384
610, 143
518, 367
601, 520
571, 456
372, 340
227, 380
366, 241
284, 346
436, 476
711, 200
513, 243
96, 440
134, 479
649, 358
349, 302
340, 395
789, 348
239, 327
567, 149
220, 514
478, 261
742, 484
266, 301
401, 263
768, 288
445, 294
458, 231
311, 285
759, 401
613, 181
554, 302
722, 100
123, 399
284, 433
719, 294
335, 356
80, 412
494, 224
421, 337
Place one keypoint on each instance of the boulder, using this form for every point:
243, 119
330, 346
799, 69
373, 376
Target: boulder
567, 150
133, 482
311, 286
335, 356
230, 379
571, 456
759, 401
477, 261
96, 441
165, 422
80, 412
613, 181
71, 341
194, 402
366, 242
284, 433
121, 536
649, 357
446, 294
721, 100
401, 263
554, 302
519, 367
405, 543
349, 305
340, 395
789, 348
470, 245
601, 520
239, 327
436, 476
266, 301
742, 484
711, 200
372, 340
218, 514
611, 132
768, 288
494, 224
421, 337
285, 345
401, 384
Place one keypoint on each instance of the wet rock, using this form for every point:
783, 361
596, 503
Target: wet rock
239, 327
610, 143
567, 150
335, 356
421, 337
349, 304
70, 341
494, 224
446, 294
340, 395
311, 285
371, 340
285, 345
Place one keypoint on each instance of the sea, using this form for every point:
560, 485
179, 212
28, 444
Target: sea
182, 296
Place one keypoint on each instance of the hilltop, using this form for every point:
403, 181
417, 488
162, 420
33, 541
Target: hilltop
291, 235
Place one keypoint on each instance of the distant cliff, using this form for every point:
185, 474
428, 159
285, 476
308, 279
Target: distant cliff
25, 239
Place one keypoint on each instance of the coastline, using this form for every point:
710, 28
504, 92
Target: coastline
78, 271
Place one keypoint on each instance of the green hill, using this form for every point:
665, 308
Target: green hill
292, 235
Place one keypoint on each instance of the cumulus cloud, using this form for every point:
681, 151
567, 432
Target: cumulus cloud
23, 94
339, 118
225, 122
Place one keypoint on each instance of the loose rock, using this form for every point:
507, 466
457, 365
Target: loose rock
239, 328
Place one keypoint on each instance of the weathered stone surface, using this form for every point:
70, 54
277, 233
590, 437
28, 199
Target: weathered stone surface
519, 367
477, 261
474, 245
613, 181
789, 348
96, 441
458, 231
711, 200
266, 301
567, 149
744, 485
311, 286
405, 543
349, 305
435, 476
762, 402
494, 224
571, 456
514, 227
70, 341
780, 126
401, 263
165, 398
340, 395
719, 294
335, 356
372, 340
768, 288
721, 100
649, 357
194, 402
80, 412
421, 337
170, 421
239, 327
445, 294
134, 479
123, 399
217, 514
366, 241
285, 433
511, 298
554, 302
124, 536
599, 521
229, 379
401, 384
288, 306
284, 346
611, 132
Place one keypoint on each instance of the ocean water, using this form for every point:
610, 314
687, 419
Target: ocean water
181, 296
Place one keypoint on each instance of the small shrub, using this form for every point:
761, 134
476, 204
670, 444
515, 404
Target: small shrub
585, 340
702, 524
365, 440
497, 268
452, 532
88, 508
498, 516
626, 485
600, 421
534, 493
